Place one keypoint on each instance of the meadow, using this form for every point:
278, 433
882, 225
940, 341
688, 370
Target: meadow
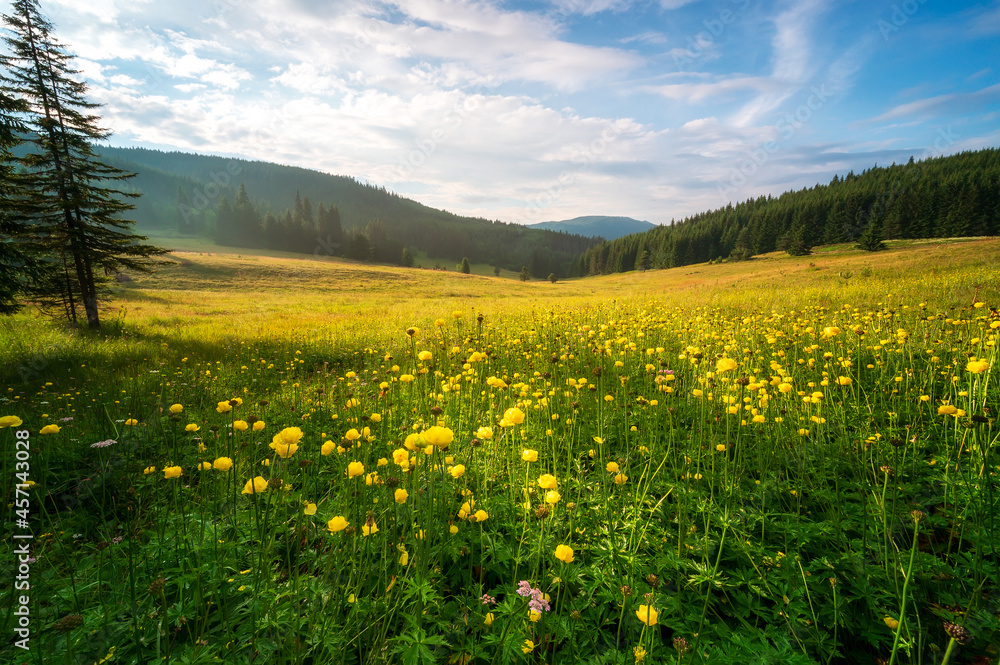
275, 459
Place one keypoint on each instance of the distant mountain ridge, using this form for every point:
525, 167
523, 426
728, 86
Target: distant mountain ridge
608, 227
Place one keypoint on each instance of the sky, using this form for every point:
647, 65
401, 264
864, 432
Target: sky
535, 111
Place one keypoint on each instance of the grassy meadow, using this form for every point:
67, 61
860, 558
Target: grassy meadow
278, 459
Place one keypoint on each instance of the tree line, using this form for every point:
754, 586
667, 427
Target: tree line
62, 230
953, 196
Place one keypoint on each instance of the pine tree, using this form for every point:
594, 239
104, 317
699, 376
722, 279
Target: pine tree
72, 196
524, 274
871, 239
466, 268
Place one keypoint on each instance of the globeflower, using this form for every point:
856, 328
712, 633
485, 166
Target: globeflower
10, 421
425, 356
946, 410
481, 515
309, 509
369, 529
484, 433
258, 426
172, 472
612, 467
621, 479
338, 523
547, 481
240, 425
552, 497
131, 421
223, 464
191, 427
224, 407
255, 485
176, 408
50, 429
327, 448
355, 469
457, 470
529, 455
564, 553
439, 436
352, 434
149, 469
401, 495
977, 366
647, 614
725, 365
514, 416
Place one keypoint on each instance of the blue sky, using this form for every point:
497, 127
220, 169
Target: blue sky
532, 111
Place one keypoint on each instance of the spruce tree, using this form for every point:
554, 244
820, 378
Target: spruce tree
871, 239
74, 203
466, 268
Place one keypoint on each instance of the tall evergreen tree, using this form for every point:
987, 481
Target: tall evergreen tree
72, 194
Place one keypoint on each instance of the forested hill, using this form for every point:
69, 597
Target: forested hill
950, 196
254, 204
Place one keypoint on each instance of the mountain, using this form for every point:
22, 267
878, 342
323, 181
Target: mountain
243, 203
939, 197
597, 226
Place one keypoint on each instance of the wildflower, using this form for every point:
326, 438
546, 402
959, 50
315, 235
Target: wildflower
831, 331
564, 553
457, 470
612, 467
639, 653
336, 524
401, 495
401, 457
258, 426
528, 646
892, 623
647, 614
255, 486
977, 366
513, 416
424, 356
328, 448
149, 469
439, 436
725, 365
224, 407
481, 515
484, 433
489, 619
309, 509
205, 466
947, 410
176, 408
172, 472
352, 435
10, 421
529, 455
355, 469
547, 481
191, 427
404, 557
453, 529
131, 421
240, 425
369, 529
621, 479
552, 497
103, 444
284, 450
844, 381
50, 429
534, 616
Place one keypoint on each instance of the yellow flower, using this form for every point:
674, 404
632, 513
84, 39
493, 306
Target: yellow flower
977, 366
489, 619
552, 497
149, 469
621, 479
831, 331
369, 529
892, 623
564, 553
725, 365
131, 421
453, 529
328, 447
352, 434
529, 455
844, 380
284, 450
514, 415
946, 410
338, 523
697, 392
425, 356
255, 486
289, 435
50, 429
481, 515
176, 408
528, 646
10, 421
265, 462
205, 466
191, 427
647, 614
355, 469
258, 426
240, 425
401, 495
172, 472
534, 616
310, 508
457, 470
439, 436
612, 467
484, 433
547, 481
223, 464
404, 557
224, 407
